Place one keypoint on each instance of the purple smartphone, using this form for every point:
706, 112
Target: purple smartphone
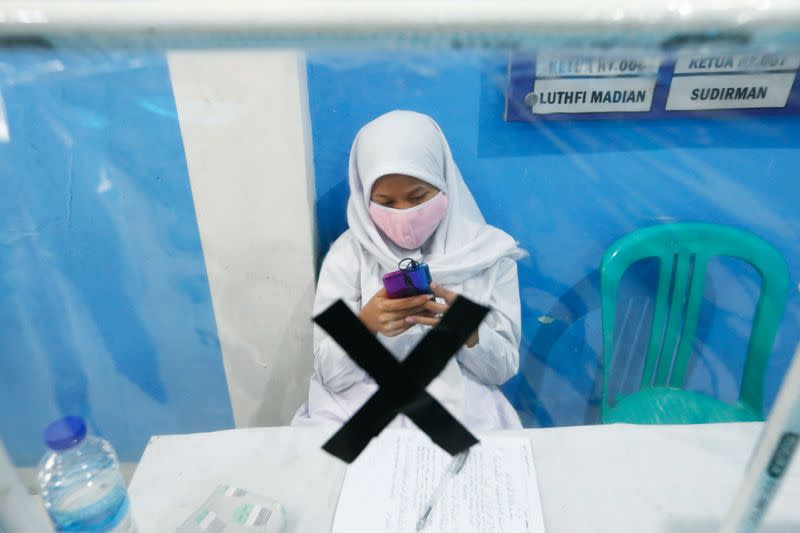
412, 280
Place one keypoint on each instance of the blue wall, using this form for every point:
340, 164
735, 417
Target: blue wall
566, 191
104, 302
105, 309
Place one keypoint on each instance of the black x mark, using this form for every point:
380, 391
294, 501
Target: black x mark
401, 385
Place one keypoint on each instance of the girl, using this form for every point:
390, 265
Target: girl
408, 199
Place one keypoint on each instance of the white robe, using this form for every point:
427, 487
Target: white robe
468, 385
465, 255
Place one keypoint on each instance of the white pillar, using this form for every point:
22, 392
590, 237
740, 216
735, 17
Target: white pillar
246, 132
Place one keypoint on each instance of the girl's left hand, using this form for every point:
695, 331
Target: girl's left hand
435, 311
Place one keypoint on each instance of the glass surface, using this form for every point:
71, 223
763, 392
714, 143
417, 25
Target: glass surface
166, 214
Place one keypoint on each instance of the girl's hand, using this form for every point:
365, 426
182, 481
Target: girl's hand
388, 316
434, 311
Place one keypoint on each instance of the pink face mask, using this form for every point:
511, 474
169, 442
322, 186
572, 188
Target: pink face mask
410, 228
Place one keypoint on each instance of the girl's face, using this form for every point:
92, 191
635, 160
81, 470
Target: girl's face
399, 191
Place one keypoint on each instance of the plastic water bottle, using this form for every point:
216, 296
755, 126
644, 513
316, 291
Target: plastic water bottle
80, 481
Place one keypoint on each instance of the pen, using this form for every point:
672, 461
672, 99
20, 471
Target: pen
771, 458
455, 468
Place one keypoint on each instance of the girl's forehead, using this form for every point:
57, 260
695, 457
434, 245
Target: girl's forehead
398, 182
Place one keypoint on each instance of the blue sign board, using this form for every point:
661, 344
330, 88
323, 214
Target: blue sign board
553, 86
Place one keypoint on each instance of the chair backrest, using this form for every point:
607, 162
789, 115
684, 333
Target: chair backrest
683, 250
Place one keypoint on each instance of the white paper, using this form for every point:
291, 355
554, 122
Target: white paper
386, 488
731, 91
556, 65
592, 95
708, 63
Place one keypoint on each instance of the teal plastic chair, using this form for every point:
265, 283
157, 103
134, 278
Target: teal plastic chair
683, 250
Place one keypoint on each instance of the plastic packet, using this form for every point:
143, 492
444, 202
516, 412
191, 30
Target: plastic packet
232, 510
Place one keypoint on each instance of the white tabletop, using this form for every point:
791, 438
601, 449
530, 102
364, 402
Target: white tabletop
615, 478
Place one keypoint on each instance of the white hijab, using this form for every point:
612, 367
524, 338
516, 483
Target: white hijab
410, 143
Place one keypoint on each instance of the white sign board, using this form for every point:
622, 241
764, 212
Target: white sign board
557, 65
736, 91
709, 64
591, 95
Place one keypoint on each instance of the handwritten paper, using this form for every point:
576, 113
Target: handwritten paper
386, 488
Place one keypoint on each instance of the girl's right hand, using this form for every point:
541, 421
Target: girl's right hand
388, 316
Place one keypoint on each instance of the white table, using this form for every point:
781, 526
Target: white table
616, 478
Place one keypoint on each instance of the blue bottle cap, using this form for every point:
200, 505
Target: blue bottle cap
65, 433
